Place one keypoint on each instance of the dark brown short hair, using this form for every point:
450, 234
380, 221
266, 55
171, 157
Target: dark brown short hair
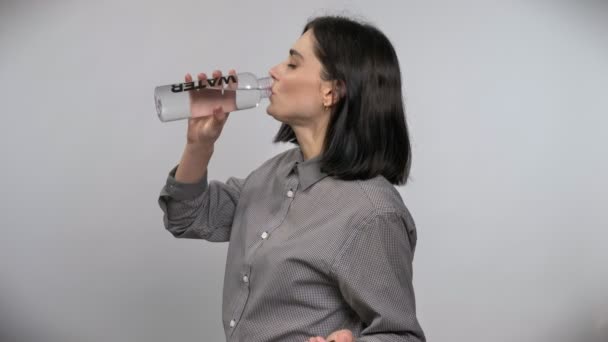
367, 134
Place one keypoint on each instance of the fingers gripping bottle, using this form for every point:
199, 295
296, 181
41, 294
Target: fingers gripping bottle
199, 98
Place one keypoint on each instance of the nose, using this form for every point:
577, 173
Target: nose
273, 72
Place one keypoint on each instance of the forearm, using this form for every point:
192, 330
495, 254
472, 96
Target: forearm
194, 163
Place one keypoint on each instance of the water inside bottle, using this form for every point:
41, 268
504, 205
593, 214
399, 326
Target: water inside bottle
204, 101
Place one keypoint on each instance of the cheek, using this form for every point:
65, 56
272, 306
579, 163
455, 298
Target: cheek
301, 93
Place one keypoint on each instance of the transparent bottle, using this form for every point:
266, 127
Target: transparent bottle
232, 92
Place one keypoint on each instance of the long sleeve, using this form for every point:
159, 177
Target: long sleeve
203, 210
374, 273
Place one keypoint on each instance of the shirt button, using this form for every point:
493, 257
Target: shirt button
232, 323
264, 235
290, 194
245, 279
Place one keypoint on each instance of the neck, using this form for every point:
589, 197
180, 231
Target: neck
310, 141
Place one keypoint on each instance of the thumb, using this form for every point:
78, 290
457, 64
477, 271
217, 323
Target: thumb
219, 115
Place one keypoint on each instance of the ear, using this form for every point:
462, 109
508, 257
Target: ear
332, 92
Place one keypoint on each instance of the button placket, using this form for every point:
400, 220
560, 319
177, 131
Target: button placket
291, 186
238, 306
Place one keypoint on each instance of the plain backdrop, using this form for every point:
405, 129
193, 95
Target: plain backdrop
507, 105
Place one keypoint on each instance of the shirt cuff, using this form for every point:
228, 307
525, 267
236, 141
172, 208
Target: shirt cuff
184, 191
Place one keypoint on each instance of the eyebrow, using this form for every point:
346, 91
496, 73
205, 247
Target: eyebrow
293, 52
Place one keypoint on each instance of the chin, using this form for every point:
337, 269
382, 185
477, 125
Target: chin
276, 116
271, 112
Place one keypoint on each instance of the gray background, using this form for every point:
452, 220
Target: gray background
507, 107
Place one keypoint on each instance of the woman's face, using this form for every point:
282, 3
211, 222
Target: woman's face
297, 97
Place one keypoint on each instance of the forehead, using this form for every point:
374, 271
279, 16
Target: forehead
304, 45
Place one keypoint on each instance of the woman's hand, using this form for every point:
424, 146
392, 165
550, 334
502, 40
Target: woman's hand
205, 129
343, 335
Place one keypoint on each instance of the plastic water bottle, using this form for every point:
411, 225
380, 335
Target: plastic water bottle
232, 92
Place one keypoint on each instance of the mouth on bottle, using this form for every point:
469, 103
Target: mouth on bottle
267, 92
265, 83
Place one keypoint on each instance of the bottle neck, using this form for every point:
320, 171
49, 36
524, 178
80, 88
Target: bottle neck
264, 85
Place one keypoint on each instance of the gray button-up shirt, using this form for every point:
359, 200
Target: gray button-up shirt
309, 254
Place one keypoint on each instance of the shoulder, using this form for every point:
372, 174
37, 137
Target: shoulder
381, 195
383, 223
385, 200
386, 211
368, 199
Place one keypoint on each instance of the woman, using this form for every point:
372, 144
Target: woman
321, 243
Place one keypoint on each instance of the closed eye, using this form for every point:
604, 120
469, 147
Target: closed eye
292, 66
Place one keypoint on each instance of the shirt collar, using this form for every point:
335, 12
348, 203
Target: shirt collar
309, 171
